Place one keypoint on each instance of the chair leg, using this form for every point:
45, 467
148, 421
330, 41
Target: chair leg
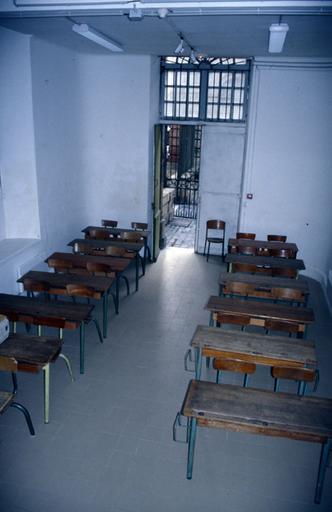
245, 381
68, 365
218, 377
95, 321
127, 282
208, 251
26, 415
204, 247
276, 385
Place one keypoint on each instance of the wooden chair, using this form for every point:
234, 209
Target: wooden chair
249, 236
233, 365
109, 223
142, 226
276, 238
9, 364
292, 295
300, 375
219, 225
80, 290
236, 288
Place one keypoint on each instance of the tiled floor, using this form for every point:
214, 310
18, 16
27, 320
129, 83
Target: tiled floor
109, 444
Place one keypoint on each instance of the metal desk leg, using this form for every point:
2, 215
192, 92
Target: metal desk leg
117, 287
326, 447
105, 311
46, 371
82, 342
211, 322
198, 362
191, 446
137, 269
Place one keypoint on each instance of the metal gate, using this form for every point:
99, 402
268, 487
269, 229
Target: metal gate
181, 163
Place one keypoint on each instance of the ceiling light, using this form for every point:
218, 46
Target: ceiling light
135, 14
162, 13
97, 37
179, 49
278, 33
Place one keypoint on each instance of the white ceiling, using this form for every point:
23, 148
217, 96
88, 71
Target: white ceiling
239, 35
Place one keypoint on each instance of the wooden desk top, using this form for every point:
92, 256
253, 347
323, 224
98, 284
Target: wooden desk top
259, 411
259, 309
102, 244
261, 244
264, 281
35, 351
58, 281
72, 314
255, 348
117, 231
265, 261
80, 260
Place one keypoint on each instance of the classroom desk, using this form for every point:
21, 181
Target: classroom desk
57, 283
103, 244
79, 261
119, 231
264, 264
235, 245
252, 348
258, 313
264, 286
34, 353
61, 315
257, 411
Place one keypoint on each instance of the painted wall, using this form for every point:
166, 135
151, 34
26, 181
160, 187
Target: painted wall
289, 154
17, 152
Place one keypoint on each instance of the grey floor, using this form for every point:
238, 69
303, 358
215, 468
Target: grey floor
109, 444
180, 232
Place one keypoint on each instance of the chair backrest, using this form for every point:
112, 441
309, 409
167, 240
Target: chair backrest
109, 223
112, 250
81, 248
101, 269
233, 365
139, 226
249, 236
8, 364
249, 251
236, 288
80, 290
97, 234
284, 272
276, 238
297, 374
281, 253
131, 236
60, 265
244, 267
275, 325
291, 294
215, 224
35, 286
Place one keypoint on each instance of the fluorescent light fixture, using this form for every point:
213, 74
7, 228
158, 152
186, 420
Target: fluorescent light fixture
97, 37
278, 33
179, 49
135, 14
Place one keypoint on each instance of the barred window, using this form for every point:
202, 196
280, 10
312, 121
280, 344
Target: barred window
215, 89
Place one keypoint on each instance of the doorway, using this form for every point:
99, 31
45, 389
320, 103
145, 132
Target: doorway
181, 153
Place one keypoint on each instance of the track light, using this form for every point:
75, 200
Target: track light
179, 49
135, 14
97, 37
162, 13
278, 33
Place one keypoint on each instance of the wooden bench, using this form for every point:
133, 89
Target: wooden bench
33, 354
266, 287
251, 348
262, 314
264, 264
57, 314
259, 412
235, 246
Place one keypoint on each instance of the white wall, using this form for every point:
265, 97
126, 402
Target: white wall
289, 154
17, 153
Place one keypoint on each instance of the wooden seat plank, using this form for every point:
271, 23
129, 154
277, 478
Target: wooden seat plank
234, 244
